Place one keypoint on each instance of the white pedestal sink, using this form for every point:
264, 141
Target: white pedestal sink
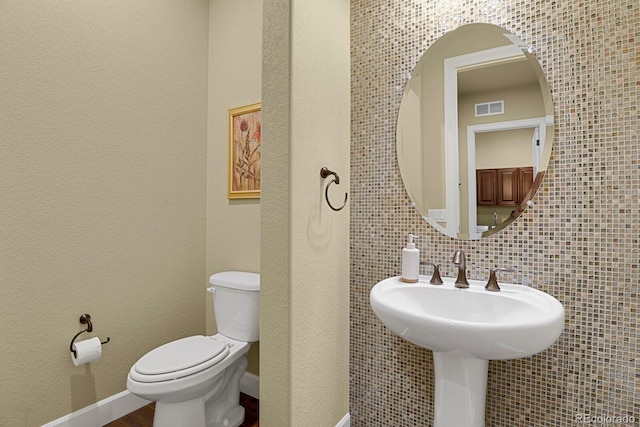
466, 328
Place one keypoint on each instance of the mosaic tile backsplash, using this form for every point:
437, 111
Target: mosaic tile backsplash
579, 243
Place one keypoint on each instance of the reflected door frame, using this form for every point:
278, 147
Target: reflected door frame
452, 66
539, 126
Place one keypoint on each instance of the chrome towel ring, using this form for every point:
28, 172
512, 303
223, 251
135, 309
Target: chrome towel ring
324, 173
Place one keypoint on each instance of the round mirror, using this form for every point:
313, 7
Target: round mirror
475, 130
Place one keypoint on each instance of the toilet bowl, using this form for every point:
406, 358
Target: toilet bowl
195, 381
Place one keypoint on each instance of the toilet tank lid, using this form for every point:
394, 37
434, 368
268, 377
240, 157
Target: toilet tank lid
236, 280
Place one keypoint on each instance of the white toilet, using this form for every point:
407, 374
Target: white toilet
195, 381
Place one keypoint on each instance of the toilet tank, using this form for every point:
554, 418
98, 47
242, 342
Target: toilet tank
236, 304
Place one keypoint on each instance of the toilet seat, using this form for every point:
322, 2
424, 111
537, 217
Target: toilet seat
178, 359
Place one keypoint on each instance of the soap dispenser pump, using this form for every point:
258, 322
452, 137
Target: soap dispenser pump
410, 261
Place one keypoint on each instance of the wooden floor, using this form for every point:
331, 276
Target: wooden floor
143, 417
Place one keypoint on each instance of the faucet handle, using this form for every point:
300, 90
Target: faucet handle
492, 284
435, 279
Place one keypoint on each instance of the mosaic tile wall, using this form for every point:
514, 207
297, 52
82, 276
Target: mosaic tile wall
578, 243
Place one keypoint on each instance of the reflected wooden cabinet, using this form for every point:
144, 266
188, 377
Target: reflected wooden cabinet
525, 182
504, 186
486, 183
508, 188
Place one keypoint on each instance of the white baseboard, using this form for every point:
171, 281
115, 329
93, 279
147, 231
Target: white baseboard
123, 403
102, 412
345, 421
250, 384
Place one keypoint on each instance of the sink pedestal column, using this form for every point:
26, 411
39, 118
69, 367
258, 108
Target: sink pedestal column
461, 387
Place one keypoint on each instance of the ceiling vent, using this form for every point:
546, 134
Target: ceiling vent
489, 108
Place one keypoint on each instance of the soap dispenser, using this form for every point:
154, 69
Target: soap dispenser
410, 261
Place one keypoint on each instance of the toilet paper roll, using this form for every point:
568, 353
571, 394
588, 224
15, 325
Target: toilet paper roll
86, 351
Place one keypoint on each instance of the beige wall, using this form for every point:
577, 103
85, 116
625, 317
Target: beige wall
235, 59
504, 149
304, 363
103, 149
525, 102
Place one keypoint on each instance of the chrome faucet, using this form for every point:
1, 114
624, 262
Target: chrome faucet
459, 261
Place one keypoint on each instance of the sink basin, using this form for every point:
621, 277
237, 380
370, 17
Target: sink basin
466, 328
518, 321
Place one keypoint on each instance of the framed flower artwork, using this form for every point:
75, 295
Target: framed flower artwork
244, 152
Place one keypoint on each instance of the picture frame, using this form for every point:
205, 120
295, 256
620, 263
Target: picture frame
245, 159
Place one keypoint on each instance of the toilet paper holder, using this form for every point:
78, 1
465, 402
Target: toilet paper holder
85, 319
